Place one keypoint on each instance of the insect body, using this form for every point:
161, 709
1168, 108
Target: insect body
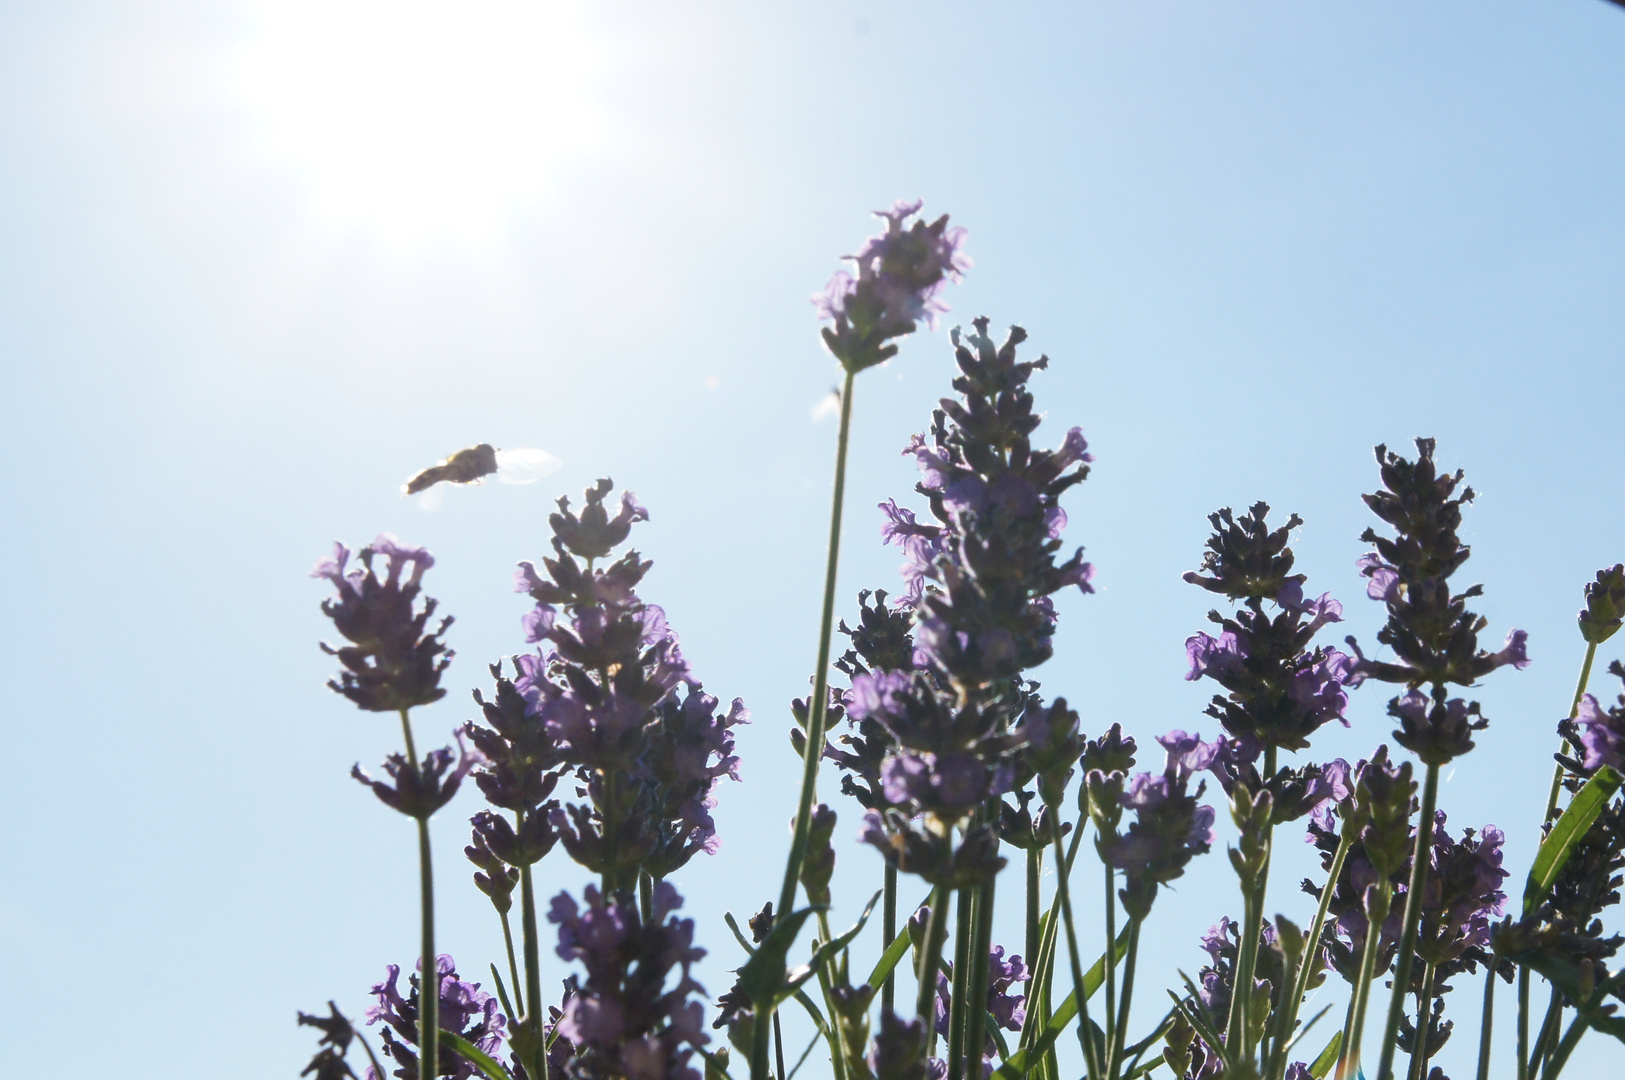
472, 465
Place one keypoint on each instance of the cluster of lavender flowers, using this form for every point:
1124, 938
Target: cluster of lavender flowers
601, 742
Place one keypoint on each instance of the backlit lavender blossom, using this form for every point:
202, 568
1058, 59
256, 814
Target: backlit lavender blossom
1604, 612
391, 663
1280, 690
600, 699
690, 749
900, 276
1378, 861
1216, 980
420, 792
464, 1009
1433, 635
1169, 829
981, 581
1598, 733
625, 1020
1463, 898
329, 1063
899, 1051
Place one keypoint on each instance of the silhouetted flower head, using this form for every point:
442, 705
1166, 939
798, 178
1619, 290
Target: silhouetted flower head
1462, 899
899, 1051
601, 700
1436, 729
1604, 612
1433, 635
625, 1020
690, 749
1280, 688
419, 792
1599, 733
464, 1009
900, 276
1169, 829
391, 662
329, 1063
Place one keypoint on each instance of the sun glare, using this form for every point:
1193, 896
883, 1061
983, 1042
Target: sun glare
422, 120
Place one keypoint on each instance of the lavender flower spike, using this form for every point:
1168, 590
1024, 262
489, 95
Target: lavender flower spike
464, 1009
900, 274
390, 663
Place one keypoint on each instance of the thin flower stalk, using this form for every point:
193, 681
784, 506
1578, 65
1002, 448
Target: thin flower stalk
1420, 862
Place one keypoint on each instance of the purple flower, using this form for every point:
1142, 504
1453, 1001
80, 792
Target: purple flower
1433, 635
690, 748
1603, 735
899, 1051
1462, 898
900, 276
464, 1009
1213, 656
625, 1020
1169, 829
1383, 583
602, 699
876, 694
391, 663
948, 785
421, 791
1280, 688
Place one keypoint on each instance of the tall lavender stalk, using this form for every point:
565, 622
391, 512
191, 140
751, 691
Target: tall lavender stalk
1435, 642
900, 274
390, 665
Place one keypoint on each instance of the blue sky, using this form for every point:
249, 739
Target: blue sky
245, 291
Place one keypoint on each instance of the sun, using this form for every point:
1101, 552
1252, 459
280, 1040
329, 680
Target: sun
422, 120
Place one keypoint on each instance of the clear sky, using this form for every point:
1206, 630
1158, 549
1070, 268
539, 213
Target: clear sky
260, 261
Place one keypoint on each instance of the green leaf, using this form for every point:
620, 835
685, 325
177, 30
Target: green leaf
1199, 1022
473, 1054
1322, 1066
1016, 1066
1567, 831
889, 959
502, 993
1566, 977
766, 973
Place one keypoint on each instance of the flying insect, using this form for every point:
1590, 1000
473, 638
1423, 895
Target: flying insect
472, 465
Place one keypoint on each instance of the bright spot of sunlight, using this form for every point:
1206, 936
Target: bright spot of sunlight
422, 120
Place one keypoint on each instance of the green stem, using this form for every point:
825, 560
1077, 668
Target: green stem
1571, 1038
429, 997
513, 968
1239, 1031
817, 705
533, 972
1354, 1034
1545, 1042
837, 1030
1035, 869
1486, 1027
1412, 919
930, 959
1574, 710
1128, 997
429, 979
1311, 953
1424, 1002
1523, 1022
888, 919
1111, 966
958, 1003
646, 906
1063, 891
976, 1025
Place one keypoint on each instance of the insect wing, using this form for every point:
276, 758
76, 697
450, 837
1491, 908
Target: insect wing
525, 466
